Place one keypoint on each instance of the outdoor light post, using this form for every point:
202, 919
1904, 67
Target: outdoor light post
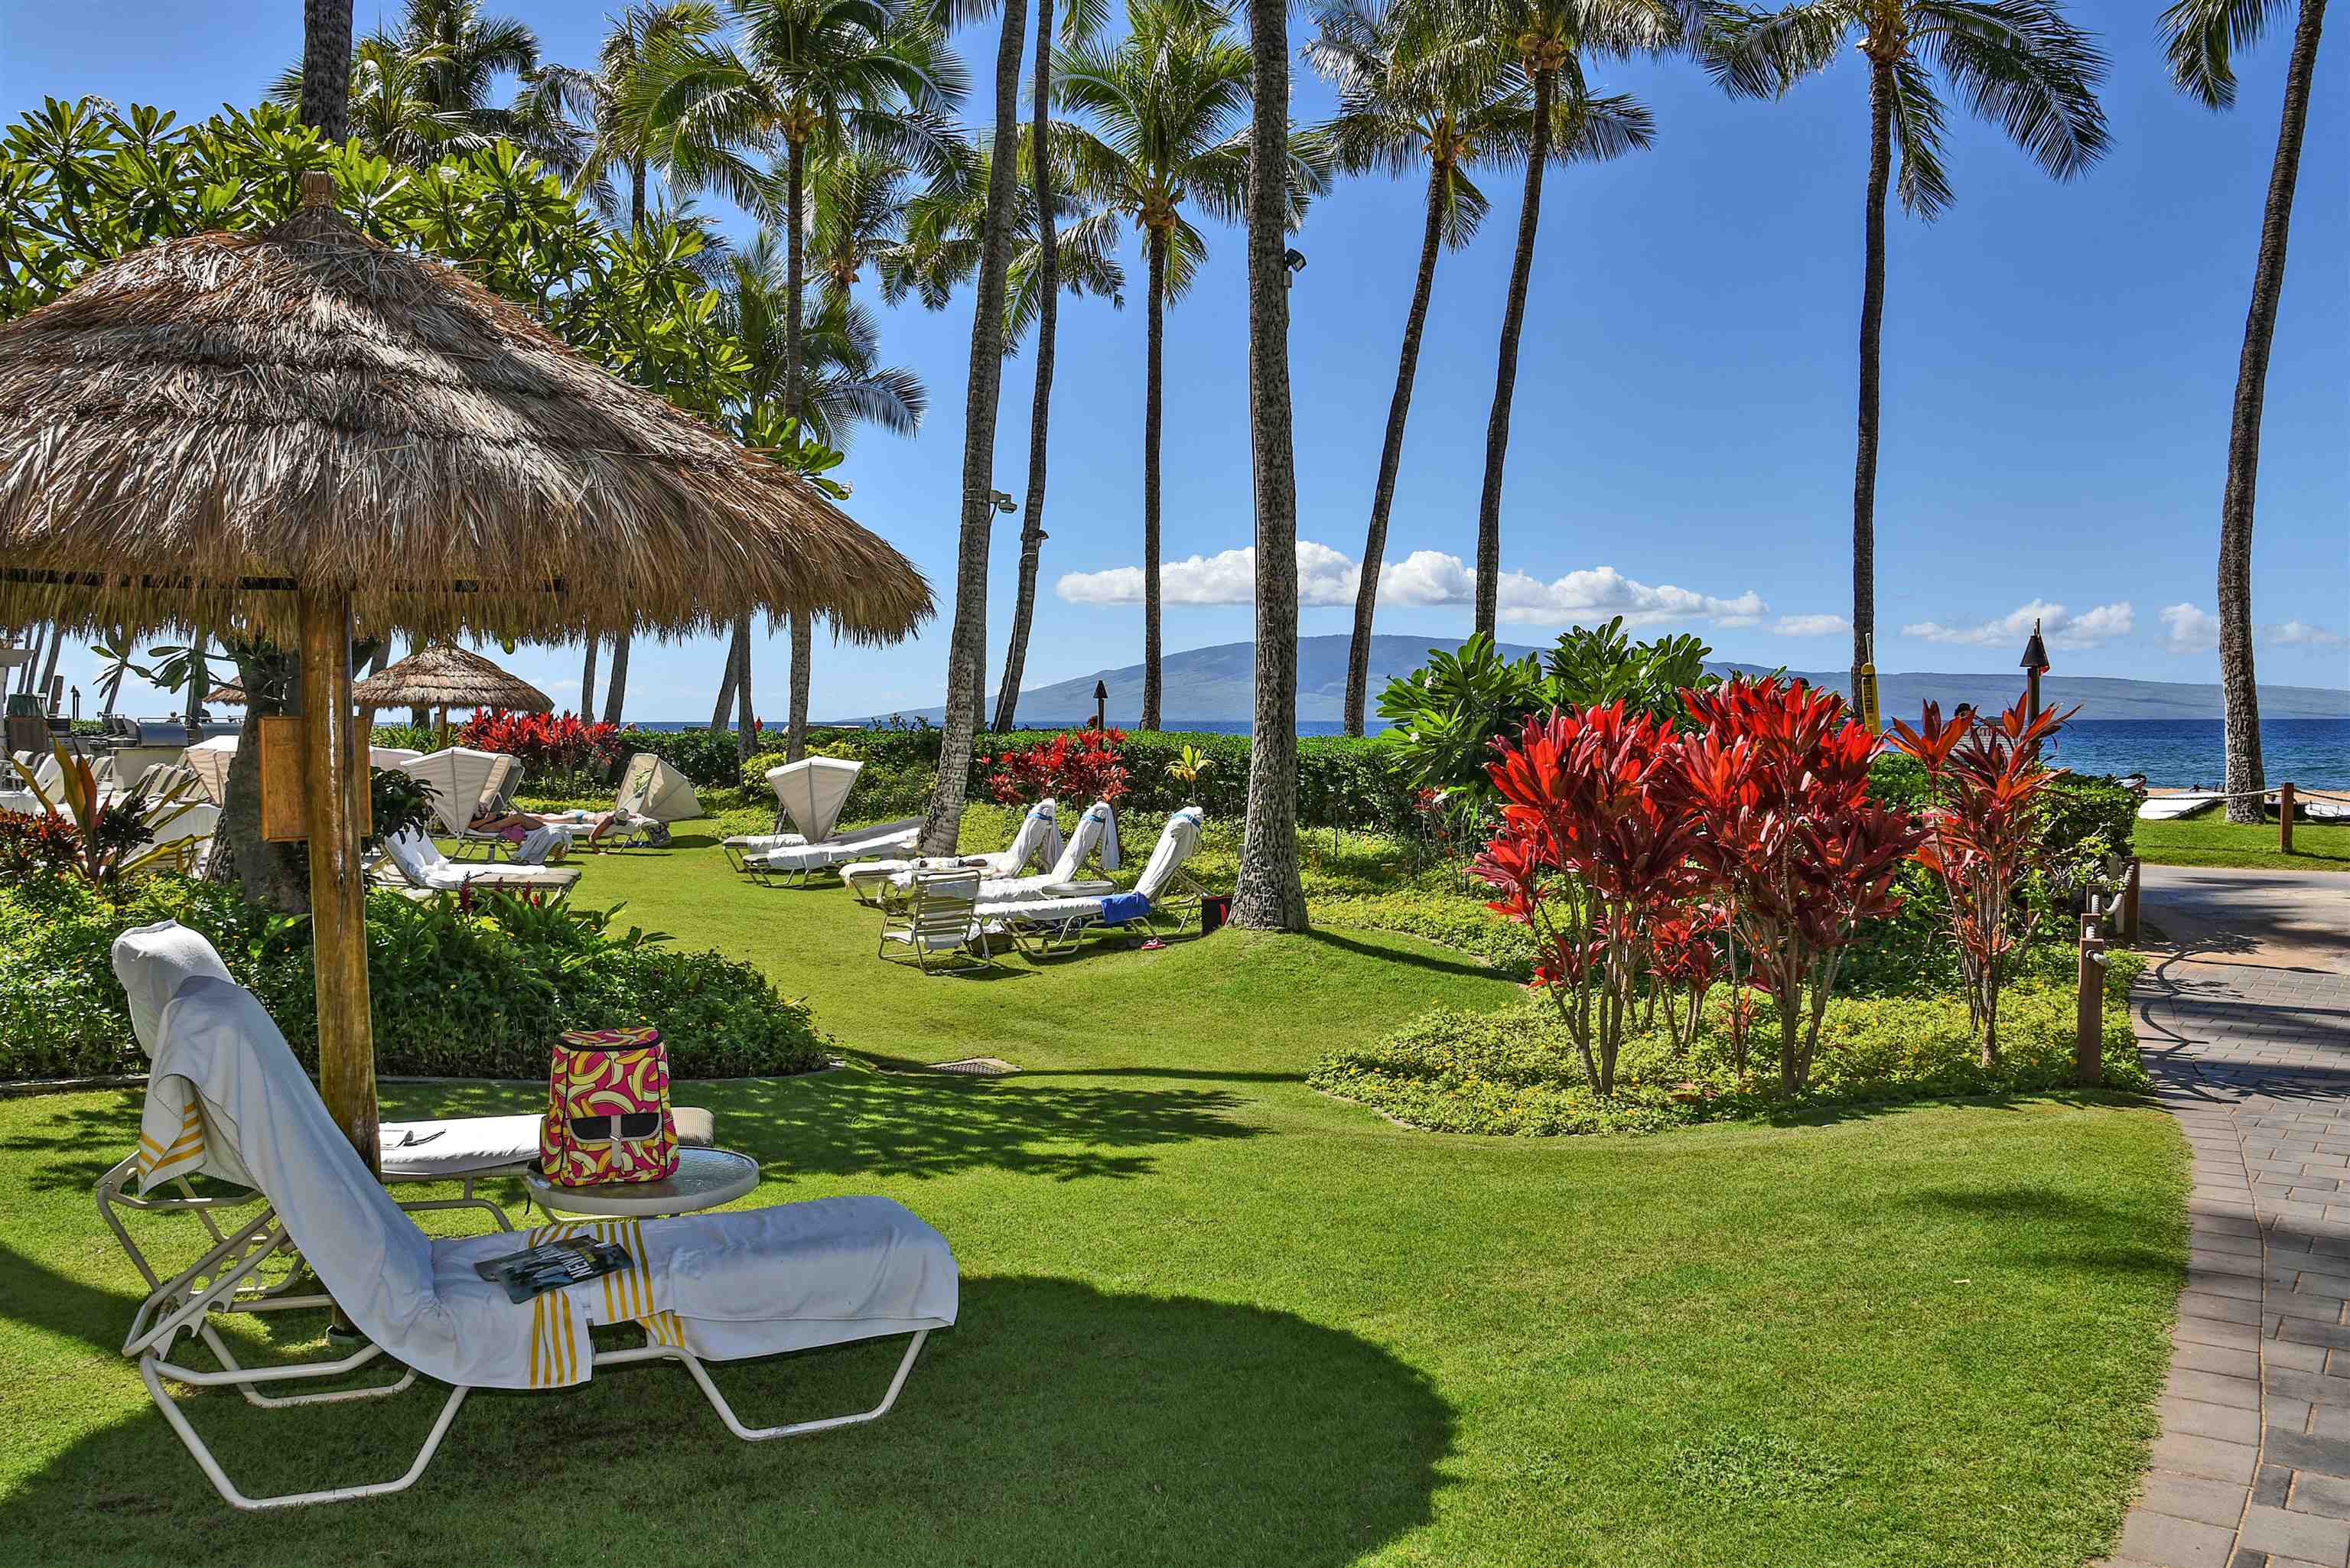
2035, 665
1101, 704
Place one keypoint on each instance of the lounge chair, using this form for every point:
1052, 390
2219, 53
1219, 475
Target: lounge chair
1095, 839
420, 861
1038, 840
935, 927
796, 863
152, 960
226, 1096
651, 795
1046, 923
464, 781
809, 795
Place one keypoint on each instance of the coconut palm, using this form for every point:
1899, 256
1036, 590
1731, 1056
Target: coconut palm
1163, 115
2016, 62
1552, 39
809, 76
1422, 88
2203, 36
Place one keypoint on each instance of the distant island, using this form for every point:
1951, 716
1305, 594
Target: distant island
1212, 685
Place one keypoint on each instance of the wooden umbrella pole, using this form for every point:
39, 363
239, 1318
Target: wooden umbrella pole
335, 807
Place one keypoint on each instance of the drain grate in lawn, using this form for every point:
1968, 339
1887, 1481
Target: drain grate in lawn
976, 1066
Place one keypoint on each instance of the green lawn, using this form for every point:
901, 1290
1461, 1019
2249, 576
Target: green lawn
1211, 1317
2213, 840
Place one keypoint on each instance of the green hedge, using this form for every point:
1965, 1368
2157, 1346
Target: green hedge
456, 993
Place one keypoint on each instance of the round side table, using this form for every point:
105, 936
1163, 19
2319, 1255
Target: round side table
705, 1178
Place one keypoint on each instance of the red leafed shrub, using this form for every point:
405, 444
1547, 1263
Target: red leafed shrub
1685, 957
1586, 851
549, 745
1080, 767
1775, 785
1984, 839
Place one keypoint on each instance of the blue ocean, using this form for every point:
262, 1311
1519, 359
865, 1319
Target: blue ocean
2181, 754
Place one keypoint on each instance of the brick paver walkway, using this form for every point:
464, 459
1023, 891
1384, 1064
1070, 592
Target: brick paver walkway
2244, 1018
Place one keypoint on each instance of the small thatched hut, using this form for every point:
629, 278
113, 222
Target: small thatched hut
443, 677
299, 431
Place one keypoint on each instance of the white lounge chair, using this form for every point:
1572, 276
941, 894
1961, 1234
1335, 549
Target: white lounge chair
225, 1097
1095, 839
935, 927
1054, 924
420, 862
464, 781
651, 795
796, 863
152, 960
1037, 841
809, 795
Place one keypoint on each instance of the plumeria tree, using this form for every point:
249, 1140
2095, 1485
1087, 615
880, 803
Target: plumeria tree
1983, 840
1776, 788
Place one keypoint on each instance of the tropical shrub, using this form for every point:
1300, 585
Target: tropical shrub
1081, 766
1775, 783
1515, 1071
79, 834
559, 753
479, 988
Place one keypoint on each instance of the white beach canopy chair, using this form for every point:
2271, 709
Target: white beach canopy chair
462, 781
1049, 923
652, 793
1094, 839
1037, 841
796, 863
421, 863
811, 793
209, 761
226, 1097
152, 960
389, 757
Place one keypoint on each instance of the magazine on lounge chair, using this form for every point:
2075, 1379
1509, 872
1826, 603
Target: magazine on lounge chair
537, 1269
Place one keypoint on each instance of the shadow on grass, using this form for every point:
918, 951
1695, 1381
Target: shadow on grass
1056, 1424
1388, 953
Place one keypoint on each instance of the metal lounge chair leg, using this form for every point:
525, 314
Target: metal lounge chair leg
651, 1351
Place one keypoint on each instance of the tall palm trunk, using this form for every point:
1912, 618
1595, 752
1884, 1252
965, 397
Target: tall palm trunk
27, 670
1375, 541
49, 664
615, 694
1269, 894
726, 678
967, 646
2240, 693
1505, 374
1871, 340
327, 67
742, 717
1040, 411
802, 650
588, 682
1153, 416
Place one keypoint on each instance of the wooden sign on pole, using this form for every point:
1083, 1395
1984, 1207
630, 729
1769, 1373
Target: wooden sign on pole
286, 781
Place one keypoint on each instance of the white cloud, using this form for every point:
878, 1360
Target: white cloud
2189, 630
1425, 578
2063, 628
1811, 625
1325, 576
2193, 629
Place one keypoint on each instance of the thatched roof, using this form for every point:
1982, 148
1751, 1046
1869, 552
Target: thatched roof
227, 694
197, 427
449, 677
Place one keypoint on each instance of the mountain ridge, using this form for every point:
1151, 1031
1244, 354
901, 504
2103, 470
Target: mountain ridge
1214, 685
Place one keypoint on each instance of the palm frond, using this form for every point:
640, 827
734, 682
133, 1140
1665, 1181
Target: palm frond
2020, 64
1924, 186
2200, 38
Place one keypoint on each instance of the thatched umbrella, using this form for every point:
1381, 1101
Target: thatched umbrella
443, 677
227, 694
297, 430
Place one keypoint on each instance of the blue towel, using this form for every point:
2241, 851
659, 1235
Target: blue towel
1119, 908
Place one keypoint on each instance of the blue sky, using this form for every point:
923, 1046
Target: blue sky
2059, 364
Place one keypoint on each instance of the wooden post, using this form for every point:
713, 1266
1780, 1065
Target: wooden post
2130, 903
2284, 817
334, 760
2089, 1018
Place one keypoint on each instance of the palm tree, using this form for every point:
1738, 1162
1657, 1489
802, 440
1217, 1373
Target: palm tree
1423, 87
1269, 894
324, 75
967, 643
2017, 62
1552, 39
426, 85
2203, 35
821, 74
1165, 107
942, 232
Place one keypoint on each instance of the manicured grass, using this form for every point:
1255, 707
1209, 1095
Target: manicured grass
1212, 1317
2251, 846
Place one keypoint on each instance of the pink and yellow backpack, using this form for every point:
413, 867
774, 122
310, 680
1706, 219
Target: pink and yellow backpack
607, 1112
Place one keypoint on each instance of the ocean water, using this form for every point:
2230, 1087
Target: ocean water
2181, 754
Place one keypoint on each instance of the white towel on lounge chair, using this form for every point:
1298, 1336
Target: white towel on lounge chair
751, 1283
1037, 839
841, 851
1096, 837
1176, 841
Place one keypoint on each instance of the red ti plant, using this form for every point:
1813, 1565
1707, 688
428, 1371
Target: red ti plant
1776, 785
1684, 959
1983, 840
1082, 767
1584, 854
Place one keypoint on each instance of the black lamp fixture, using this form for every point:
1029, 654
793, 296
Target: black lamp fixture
1003, 503
1101, 704
2035, 665
1295, 260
